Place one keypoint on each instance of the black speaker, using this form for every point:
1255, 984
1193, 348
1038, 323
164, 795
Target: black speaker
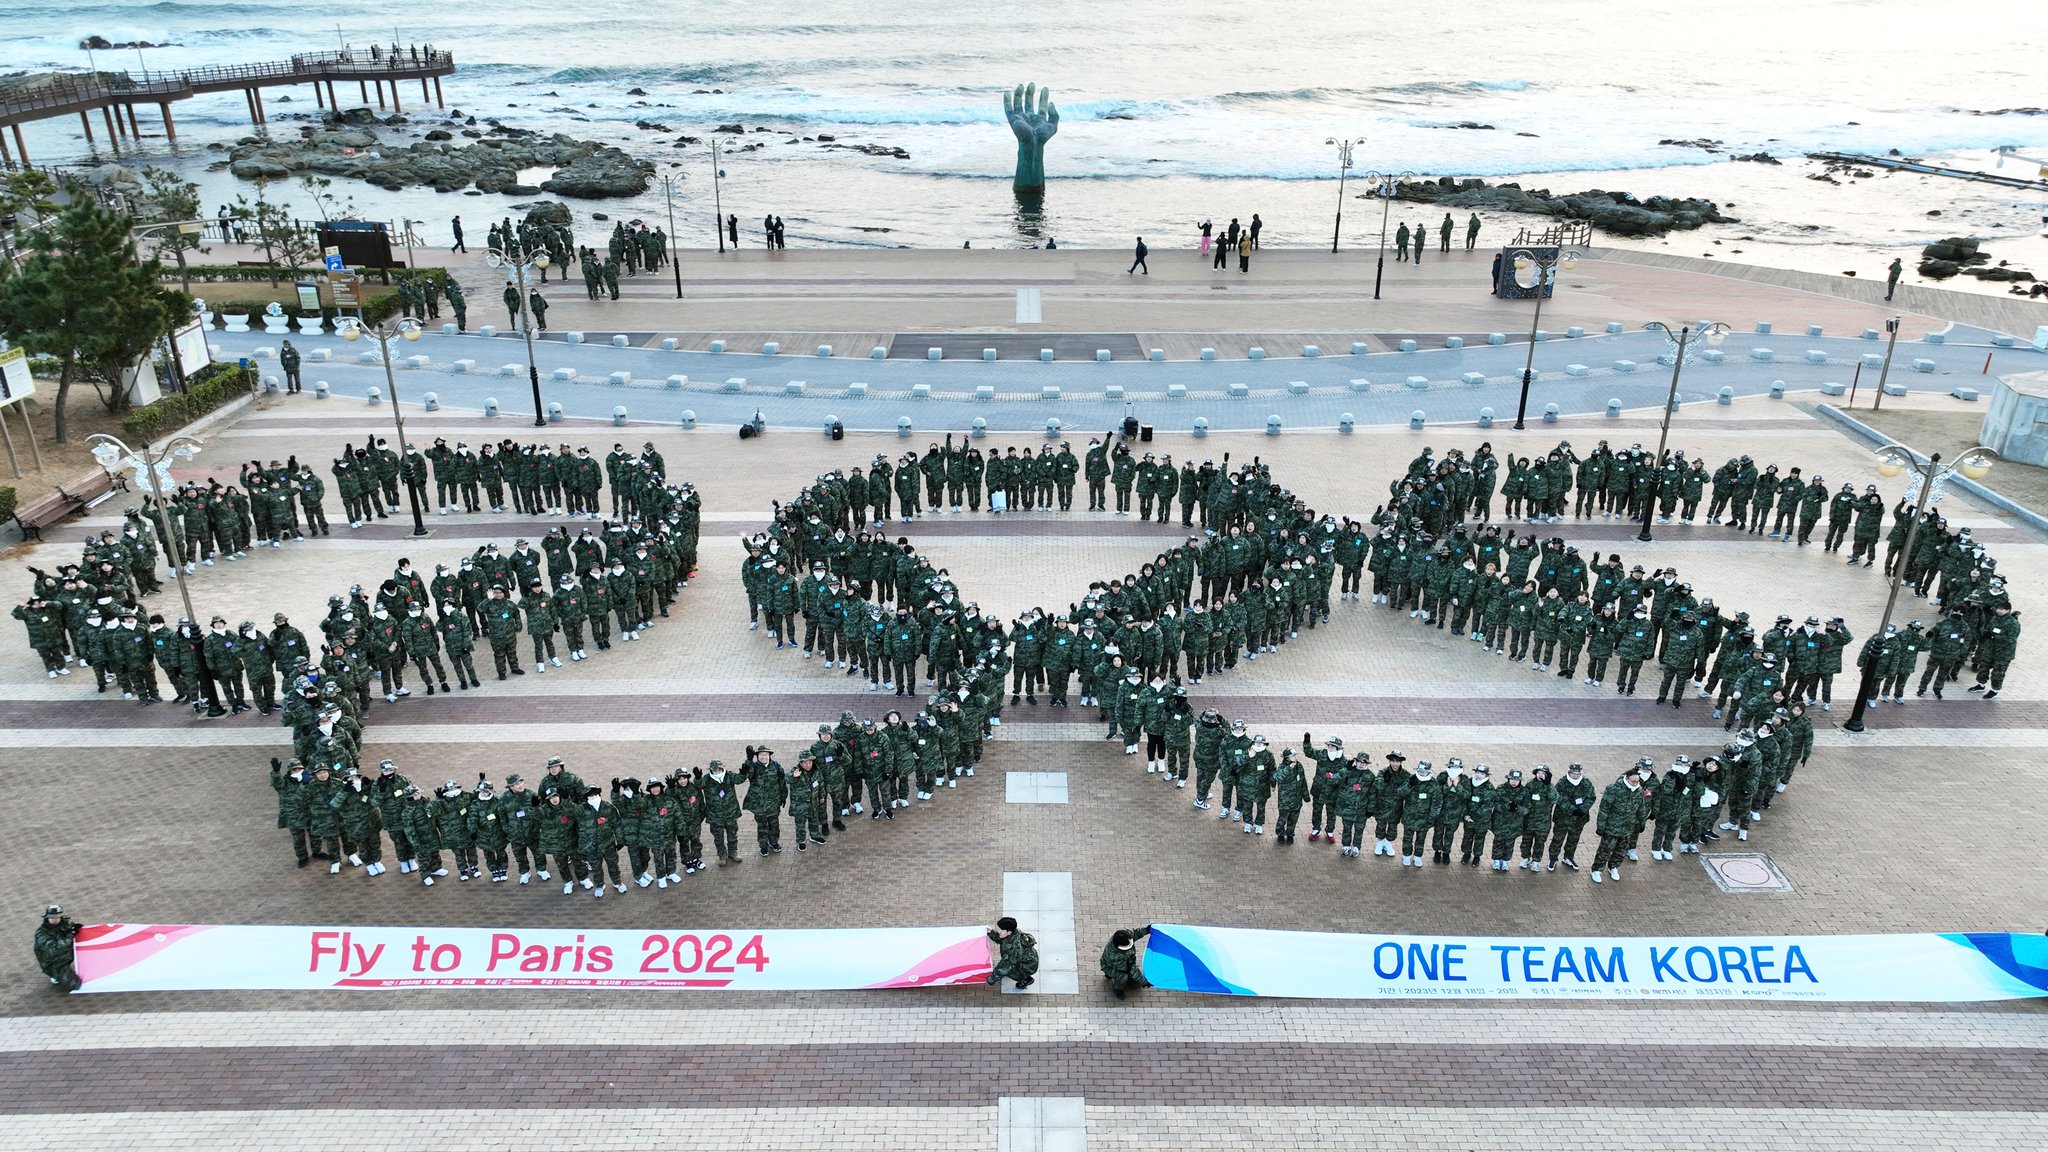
838, 430
1145, 433
1130, 427
747, 432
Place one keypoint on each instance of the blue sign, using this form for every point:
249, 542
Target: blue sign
333, 262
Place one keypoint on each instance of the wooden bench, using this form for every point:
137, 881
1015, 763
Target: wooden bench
67, 498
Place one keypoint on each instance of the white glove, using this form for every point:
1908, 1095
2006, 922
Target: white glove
1709, 798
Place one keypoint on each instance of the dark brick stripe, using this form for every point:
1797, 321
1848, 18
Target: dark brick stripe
952, 1075
1597, 710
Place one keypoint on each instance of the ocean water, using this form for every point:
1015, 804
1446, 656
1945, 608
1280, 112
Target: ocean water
1175, 111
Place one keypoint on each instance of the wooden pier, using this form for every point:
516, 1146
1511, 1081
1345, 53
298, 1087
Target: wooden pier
116, 95
1905, 164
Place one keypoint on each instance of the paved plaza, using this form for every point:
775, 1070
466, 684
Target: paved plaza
1928, 821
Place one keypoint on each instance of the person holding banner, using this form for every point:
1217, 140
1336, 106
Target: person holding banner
1121, 963
1016, 954
1620, 807
54, 942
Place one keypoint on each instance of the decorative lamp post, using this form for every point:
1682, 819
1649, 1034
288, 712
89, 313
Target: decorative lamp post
407, 329
668, 192
1683, 343
152, 470
513, 259
1546, 278
1343, 169
1929, 476
1386, 185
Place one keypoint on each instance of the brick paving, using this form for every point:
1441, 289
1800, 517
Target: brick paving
126, 813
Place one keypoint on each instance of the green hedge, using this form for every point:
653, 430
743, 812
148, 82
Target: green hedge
206, 390
261, 274
6, 502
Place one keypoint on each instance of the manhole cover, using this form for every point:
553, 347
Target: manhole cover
1744, 872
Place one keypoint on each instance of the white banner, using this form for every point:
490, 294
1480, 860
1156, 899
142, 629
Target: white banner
1909, 968
161, 957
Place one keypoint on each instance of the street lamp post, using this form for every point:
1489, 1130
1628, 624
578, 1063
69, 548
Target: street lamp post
1929, 476
668, 192
407, 329
1546, 268
513, 258
1884, 373
1714, 332
152, 468
1343, 169
1385, 185
717, 204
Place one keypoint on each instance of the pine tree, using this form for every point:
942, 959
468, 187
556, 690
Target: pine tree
82, 298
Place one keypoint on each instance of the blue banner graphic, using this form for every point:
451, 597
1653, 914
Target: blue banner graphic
1907, 968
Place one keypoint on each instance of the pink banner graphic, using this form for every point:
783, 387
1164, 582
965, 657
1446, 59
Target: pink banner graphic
174, 957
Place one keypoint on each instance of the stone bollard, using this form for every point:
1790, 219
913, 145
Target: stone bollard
1614, 327
619, 416
1273, 425
903, 426
1542, 335
512, 370
979, 427
1760, 355
1816, 356
554, 413
1473, 379
794, 387
857, 390
935, 353
1415, 420
670, 344
1725, 396
315, 354
1360, 384
376, 396
770, 348
984, 392
490, 406
689, 419
1934, 338
1418, 382
1156, 355
1310, 352
1923, 365
1574, 332
717, 346
878, 353
320, 390
824, 352
450, 330
1870, 333
1813, 329
620, 379
463, 366
1577, 370
1240, 391
1102, 356
270, 384
920, 391
1834, 388
1496, 338
1255, 353
1052, 428
1711, 356
1408, 345
565, 373
1114, 392
1201, 427
1550, 413
1345, 422
1486, 417
1297, 387
573, 337
988, 355
1358, 347
1454, 341
1777, 389
1624, 366
677, 382
1049, 392
1763, 327
1045, 355
431, 402
487, 331
1208, 353
620, 341
1614, 408
735, 383
1176, 391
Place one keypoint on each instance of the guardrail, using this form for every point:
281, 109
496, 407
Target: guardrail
92, 89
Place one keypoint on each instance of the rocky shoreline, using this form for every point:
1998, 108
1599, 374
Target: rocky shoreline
1615, 213
350, 145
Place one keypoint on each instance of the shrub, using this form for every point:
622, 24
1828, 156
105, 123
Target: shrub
6, 502
206, 390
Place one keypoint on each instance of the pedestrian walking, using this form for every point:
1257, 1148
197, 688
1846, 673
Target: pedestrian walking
288, 359
1223, 248
1231, 234
1493, 278
1401, 244
456, 226
1421, 241
1891, 278
1140, 261
732, 228
1472, 232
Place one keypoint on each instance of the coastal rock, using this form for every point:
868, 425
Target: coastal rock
1615, 213
1939, 269
439, 134
636, 91
730, 129
1471, 125
549, 212
582, 168
352, 116
652, 126
874, 150
1760, 158
1703, 144
102, 44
